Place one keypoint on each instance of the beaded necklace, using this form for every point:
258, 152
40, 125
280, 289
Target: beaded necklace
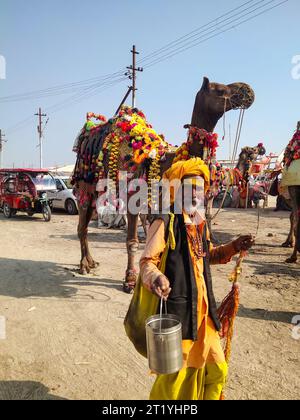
196, 243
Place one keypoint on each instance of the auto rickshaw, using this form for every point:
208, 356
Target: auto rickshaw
25, 190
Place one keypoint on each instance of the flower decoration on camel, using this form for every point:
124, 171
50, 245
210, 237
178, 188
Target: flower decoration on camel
133, 146
209, 141
292, 152
126, 142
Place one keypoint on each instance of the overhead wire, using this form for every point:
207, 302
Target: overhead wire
66, 88
89, 92
189, 35
59, 89
202, 39
115, 78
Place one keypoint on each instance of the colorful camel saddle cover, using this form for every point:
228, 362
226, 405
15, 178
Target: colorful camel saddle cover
126, 142
291, 171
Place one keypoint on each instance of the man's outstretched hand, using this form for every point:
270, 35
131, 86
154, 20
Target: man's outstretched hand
243, 243
161, 287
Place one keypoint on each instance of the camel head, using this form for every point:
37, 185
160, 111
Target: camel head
213, 99
249, 155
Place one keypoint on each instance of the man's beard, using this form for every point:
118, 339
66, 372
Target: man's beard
194, 206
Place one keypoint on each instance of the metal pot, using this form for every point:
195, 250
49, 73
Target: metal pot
164, 343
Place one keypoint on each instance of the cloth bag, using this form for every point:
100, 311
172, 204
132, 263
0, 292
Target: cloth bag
144, 303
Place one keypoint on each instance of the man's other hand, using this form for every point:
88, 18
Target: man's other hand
243, 243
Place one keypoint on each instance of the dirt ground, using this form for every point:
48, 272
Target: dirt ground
64, 332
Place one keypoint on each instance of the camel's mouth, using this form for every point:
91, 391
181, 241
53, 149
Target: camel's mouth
242, 96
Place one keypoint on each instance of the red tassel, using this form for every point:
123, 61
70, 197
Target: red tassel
228, 310
227, 314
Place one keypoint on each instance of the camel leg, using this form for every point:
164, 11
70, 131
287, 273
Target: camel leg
92, 263
132, 248
289, 243
295, 197
143, 218
87, 262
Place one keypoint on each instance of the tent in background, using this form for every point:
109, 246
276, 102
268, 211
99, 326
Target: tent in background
66, 170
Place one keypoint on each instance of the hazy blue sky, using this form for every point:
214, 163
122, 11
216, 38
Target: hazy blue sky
51, 43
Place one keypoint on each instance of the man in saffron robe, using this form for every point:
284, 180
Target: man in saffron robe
186, 285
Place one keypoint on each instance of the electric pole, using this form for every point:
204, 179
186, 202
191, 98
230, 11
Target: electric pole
40, 132
229, 141
2, 141
132, 73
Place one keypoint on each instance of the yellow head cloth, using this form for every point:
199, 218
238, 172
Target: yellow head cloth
187, 168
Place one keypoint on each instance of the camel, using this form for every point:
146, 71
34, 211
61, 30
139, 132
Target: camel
291, 179
246, 158
236, 177
212, 101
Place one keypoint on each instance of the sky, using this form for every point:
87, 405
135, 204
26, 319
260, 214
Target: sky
46, 44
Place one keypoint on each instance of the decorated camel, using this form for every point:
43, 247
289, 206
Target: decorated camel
128, 143
291, 180
238, 176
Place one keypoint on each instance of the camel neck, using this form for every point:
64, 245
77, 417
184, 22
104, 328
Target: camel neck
240, 165
206, 121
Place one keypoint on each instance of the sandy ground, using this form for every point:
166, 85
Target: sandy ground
64, 332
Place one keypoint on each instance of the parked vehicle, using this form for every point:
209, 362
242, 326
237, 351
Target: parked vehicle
63, 197
26, 190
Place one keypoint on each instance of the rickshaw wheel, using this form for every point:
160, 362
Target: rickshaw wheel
47, 213
7, 211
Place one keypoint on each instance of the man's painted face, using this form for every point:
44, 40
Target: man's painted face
193, 195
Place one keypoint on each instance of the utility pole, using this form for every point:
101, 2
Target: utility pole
2, 141
132, 73
40, 132
229, 141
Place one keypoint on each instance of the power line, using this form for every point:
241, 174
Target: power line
188, 35
79, 86
64, 104
87, 91
20, 124
60, 89
94, 89
234, 24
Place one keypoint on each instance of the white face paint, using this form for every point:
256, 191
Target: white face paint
193, 196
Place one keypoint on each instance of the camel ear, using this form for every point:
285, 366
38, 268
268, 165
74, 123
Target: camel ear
205, 84
262, 151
